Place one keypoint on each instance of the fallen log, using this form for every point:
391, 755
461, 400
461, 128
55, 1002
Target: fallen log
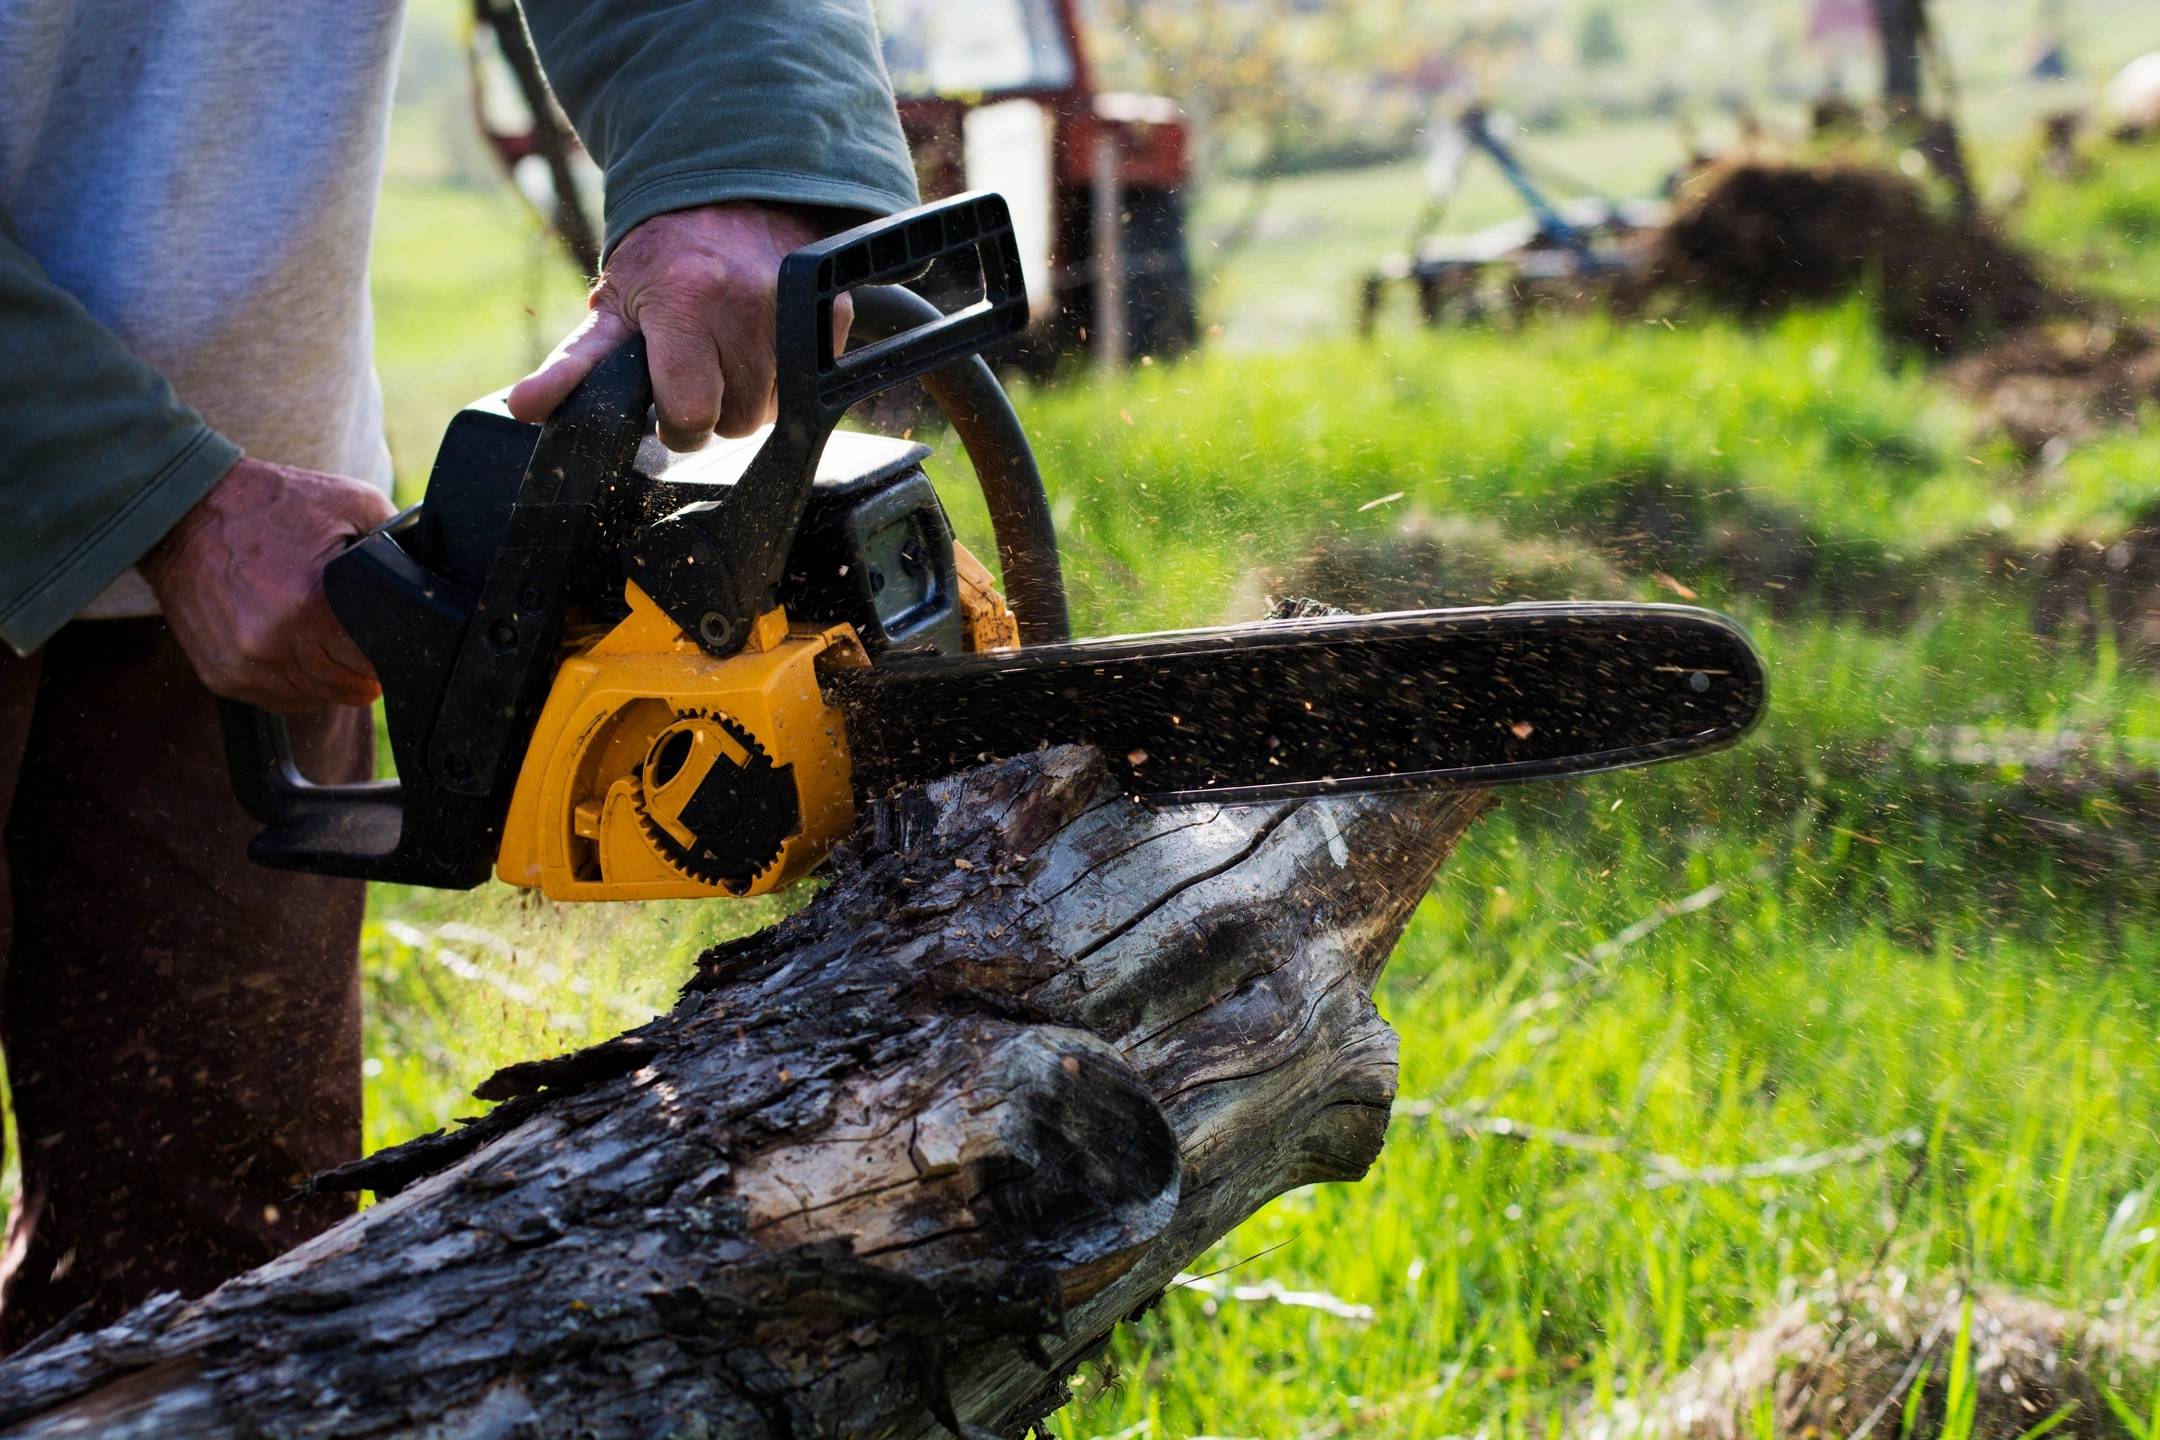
891, 1168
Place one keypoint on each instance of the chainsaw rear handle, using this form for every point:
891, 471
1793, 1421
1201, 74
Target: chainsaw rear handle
350, 830
500, 672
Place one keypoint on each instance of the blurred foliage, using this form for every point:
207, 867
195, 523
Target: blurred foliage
1329, 82
2102, 221
1806, 435
1597, 39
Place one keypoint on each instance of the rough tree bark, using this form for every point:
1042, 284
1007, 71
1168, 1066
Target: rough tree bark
891, 1168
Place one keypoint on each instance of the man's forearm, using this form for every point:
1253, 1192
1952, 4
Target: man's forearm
691, 104
98, 460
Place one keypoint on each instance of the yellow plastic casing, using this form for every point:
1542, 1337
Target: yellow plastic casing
987, 623
574, 830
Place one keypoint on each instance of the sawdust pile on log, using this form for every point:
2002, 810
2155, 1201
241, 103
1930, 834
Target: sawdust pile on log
2064, 382
1758, 237
1844, 1365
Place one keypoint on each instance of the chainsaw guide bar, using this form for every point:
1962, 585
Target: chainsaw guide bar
1330, 705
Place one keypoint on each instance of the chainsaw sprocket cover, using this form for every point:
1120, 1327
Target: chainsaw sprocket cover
713, 804
658, 771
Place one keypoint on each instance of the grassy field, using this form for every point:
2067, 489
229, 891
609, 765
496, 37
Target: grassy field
1844, 947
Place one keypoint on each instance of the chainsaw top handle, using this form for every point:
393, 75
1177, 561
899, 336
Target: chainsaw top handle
713, 566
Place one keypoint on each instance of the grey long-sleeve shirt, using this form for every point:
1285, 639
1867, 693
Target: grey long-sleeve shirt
187, 193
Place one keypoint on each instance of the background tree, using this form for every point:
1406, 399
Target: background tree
1902, 25
1598, 43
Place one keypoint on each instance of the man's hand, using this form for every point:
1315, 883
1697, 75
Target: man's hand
240, 580
700, 284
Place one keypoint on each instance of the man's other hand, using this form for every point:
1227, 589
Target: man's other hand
700, 284
240, 580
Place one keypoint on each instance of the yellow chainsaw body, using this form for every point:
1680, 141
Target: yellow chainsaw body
640, 716
634, 721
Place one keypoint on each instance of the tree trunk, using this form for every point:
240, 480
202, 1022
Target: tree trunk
1902, 25
891, 1168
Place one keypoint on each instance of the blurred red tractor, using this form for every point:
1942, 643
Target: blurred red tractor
994, 95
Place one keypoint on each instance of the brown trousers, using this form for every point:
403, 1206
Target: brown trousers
181, 1028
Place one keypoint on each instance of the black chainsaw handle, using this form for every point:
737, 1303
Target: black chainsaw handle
713, 566
496, 682
347, 830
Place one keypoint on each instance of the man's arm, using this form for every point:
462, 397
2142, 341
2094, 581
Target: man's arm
730, 132
708, 100
98, 460
102, 467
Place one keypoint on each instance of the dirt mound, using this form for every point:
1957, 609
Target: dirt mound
1758, 237
2084, 588
1843, 1365
2066, 382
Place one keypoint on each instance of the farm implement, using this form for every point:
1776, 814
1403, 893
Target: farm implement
1555, 248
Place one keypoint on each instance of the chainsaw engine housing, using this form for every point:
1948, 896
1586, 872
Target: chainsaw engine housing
655, 769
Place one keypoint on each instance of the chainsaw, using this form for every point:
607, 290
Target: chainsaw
613, 673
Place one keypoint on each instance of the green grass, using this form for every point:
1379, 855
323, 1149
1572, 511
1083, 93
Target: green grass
2103, 225
1729, 1037
460, 985
1887, 958
1596, 427
470, 292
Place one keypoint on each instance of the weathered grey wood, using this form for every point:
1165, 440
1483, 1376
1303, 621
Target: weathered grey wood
889, 1169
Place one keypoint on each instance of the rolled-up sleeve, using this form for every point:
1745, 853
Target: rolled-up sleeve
98, 459
699, 101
